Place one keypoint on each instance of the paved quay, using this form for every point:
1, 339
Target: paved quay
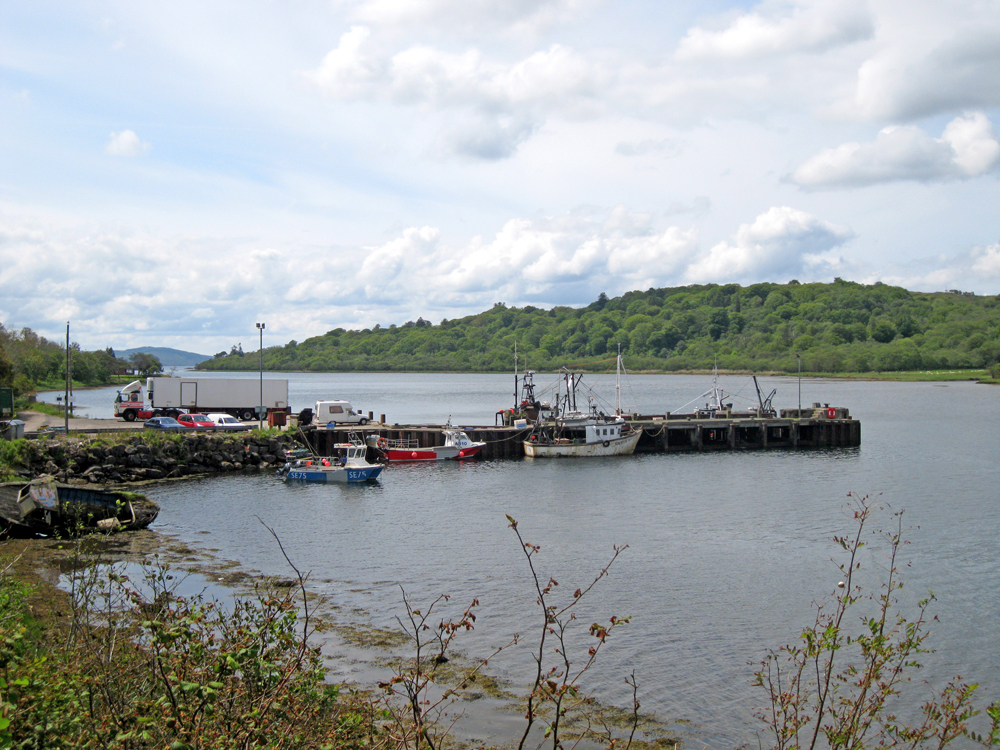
34, 422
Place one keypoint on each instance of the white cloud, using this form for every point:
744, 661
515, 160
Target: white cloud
932, 60
345, 72
507, 101
977, 270
125, 143
781, 243
535, 260
423, 75
968, 148
778, 29
986, 261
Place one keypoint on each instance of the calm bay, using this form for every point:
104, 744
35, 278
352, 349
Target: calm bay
727, 551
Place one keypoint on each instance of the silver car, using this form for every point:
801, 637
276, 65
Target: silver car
228, 423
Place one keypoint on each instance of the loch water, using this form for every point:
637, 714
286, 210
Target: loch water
727, 552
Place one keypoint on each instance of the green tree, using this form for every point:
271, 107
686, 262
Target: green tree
883, 331
145, 364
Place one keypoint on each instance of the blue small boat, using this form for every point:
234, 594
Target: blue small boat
348, 465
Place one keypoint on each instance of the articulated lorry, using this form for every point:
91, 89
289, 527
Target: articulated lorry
171, 396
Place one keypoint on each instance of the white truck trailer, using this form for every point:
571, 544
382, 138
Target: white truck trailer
171, 396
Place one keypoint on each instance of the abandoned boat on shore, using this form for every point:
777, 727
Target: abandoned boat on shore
44, 506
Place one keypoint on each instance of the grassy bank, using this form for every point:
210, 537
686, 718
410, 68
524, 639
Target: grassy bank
157, 670
910, 376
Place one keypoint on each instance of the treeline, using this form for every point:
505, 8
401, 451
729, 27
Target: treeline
837, 327
29, 362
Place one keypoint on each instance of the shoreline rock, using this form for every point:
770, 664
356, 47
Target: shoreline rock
137, 457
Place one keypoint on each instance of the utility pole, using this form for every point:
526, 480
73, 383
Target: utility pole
799, 357
66, 402
260, 409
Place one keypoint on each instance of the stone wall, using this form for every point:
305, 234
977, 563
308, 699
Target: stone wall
142, 457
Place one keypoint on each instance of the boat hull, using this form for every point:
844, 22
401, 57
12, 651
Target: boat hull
622, 446
334, 475
44, 506
438, 453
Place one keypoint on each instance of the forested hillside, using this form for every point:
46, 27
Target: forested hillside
837, 327
30, 362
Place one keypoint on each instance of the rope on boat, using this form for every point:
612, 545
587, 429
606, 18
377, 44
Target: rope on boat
515, 436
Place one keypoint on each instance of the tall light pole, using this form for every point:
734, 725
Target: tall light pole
69, 382
799, 357
260, 410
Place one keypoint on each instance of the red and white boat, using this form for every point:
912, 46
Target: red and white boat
457, 446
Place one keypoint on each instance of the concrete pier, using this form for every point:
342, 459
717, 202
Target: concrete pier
819, 427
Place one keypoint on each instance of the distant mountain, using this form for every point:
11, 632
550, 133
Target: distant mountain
168, 357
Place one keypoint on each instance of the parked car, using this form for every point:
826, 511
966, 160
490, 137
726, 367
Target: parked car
163, 423
196, 422
228, 423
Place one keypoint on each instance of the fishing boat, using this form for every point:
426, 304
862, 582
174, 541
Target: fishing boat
349, 465
574, 433
457, 446
581, 435
526, 407
44, 506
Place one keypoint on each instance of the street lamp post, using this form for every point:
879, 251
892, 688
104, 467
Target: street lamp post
69, 382
799, 357
260, 408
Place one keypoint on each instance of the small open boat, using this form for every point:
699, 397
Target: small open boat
44, 506
348, 465
457, 446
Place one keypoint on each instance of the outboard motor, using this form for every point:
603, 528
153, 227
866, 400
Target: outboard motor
305, 417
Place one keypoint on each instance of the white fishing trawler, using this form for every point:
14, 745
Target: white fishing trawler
574, 433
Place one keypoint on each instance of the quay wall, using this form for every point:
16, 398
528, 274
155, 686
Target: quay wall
660, 435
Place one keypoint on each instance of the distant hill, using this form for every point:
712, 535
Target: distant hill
168, 357
831, 328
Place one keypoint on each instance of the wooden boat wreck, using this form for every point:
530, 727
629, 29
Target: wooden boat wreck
46, 507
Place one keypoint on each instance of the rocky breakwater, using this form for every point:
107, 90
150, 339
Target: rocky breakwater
138, 458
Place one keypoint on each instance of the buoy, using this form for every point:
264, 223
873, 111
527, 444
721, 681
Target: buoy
831, 413
413, 455
381, 443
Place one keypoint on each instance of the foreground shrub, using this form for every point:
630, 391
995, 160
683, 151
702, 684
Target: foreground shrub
843, 684
138, 667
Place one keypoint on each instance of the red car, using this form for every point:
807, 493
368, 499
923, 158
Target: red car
196, 422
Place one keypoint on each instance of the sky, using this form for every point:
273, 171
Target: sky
172, 174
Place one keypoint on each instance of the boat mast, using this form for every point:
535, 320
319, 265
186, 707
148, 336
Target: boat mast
516, 404
714, 402
618, 383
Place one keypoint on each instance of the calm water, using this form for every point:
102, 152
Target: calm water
726, 553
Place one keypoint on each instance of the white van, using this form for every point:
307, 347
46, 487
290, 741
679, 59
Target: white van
337, 411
